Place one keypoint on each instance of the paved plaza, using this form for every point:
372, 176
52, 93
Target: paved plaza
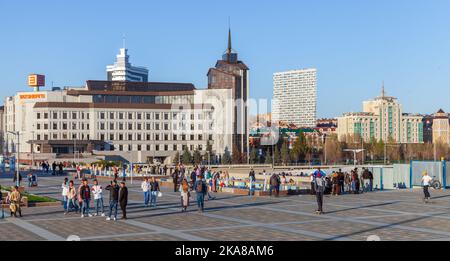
390, 215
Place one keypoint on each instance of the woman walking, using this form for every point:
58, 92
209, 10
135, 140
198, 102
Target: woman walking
185, 195
15, 198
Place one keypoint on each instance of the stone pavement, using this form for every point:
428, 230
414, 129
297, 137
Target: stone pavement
391, 215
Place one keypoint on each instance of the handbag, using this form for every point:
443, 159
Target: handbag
159, 194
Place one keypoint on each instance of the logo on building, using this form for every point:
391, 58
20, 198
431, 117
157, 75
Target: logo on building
36, 80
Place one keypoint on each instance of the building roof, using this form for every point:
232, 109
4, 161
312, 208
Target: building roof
138, 86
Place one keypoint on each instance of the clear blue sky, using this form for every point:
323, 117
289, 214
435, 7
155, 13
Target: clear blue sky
354, 44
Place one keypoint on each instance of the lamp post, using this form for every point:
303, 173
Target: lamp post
16, 133
32, 149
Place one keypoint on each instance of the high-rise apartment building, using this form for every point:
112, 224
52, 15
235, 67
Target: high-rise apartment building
382, 119
295, 97
122, 70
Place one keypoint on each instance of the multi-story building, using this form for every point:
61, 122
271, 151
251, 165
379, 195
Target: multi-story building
122, 70
295, 97
231, 73
136, 121
382, 119
441, 128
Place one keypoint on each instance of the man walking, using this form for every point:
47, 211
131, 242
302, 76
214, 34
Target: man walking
113, 199
123, 199
200, 189
145, 186
65, 192
154, 190
426, 182
175, 180
85, 194
319, 184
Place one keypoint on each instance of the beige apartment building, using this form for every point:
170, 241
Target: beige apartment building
382, 119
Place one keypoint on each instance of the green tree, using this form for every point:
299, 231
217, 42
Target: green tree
226, 158
254, 156
285, 156
187, 157
237, 157
299, 148
176, 159
197, 157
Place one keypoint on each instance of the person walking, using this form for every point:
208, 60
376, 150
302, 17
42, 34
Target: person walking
275, 184
15, 198
185, 195
370, 181
175, 180
85, 194
311, 180
145, 186
123, 199
335, 181
113, 189
154, 191
341, 181
319, 184
61, 169
252, 179
65, 191
426, 182
54, 168
200, 189
97, 191
71, 198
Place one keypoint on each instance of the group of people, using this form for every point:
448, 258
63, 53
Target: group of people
79, 199
201, 180
339, 183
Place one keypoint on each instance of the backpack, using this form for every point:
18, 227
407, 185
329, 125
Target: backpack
199, 188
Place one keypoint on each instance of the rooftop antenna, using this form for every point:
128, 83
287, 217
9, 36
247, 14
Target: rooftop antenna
383, 92
124, 39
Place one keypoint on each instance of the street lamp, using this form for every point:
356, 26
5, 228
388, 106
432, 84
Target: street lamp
16, 133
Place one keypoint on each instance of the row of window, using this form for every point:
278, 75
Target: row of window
131, 147
122, 137
121, 116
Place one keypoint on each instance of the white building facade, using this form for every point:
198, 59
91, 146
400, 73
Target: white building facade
295, 97
122, 70
135, 121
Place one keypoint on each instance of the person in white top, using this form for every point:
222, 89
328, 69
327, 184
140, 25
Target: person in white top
65, 191
426, 182
146, 189
97, 191
266, 177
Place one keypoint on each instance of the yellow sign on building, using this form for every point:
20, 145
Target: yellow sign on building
36, 80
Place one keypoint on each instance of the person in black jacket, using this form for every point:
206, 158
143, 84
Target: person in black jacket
123, 199
85, 194
113, 199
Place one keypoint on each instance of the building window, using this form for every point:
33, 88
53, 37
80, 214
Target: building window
166, 126
166, 116
74, 115
148, 116
38, 126
64, 127
55, 115
157, 116
148, 137
130, 136
175, 137
38, 116
130, 126
120, 136
139, 116
148, 147
102, 116
148, 126
130, 116
156, 136
111, 126
157, 148
111, 115
120, 116
192, 137
111, 136
55, 126
45, 115
102, 137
